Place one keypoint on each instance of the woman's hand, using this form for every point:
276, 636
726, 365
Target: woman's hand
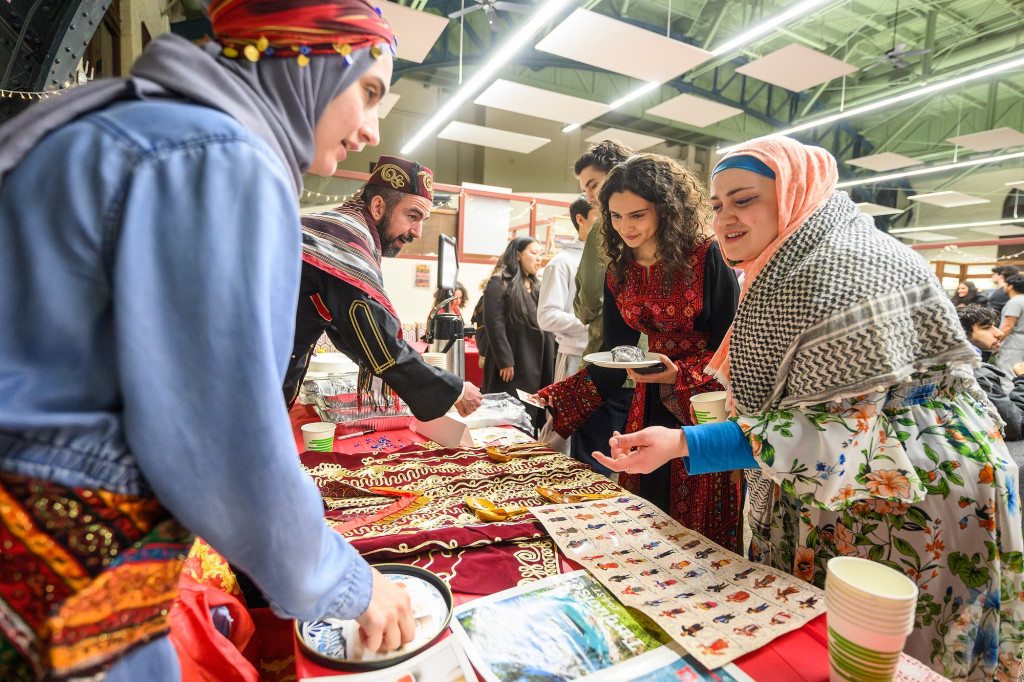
667, 376
644, 451
506, 373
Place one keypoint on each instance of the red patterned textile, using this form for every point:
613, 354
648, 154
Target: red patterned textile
283, 29
85, 576
573, 400
439, 532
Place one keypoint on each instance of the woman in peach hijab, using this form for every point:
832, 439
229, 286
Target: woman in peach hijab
855, 412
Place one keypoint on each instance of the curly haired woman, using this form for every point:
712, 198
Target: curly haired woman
666, 278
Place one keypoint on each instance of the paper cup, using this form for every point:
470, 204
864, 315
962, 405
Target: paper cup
709, 407
319, 436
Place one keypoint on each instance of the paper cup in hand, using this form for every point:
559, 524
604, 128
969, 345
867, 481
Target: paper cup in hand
319, 436
871, 611
709, 407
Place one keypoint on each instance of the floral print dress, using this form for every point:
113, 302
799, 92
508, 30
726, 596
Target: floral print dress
915, 477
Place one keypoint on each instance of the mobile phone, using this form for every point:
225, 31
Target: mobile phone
653, 369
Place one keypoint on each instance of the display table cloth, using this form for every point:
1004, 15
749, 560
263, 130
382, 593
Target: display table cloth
409, 507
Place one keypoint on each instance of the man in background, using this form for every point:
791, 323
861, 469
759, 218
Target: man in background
591, 169
555, 307
342, 290
1005, 391
998, 297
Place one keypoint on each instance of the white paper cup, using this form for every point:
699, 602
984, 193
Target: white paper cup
436, 359
709, 407
319, 436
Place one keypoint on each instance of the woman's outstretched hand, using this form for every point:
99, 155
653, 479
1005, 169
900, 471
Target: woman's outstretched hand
644, 451
506, 373
666, 376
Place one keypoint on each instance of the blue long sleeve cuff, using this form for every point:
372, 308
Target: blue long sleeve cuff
720, 446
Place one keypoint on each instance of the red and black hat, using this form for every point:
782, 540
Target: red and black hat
403, 175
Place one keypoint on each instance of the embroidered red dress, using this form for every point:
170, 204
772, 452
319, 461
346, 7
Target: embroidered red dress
685, 317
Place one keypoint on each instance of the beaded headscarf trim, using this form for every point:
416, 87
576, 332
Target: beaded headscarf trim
286, 28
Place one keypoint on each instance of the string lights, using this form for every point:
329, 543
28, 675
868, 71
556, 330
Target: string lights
320, 197
24, 94
954, 249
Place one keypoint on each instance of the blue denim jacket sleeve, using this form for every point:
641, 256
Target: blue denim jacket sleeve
201, 254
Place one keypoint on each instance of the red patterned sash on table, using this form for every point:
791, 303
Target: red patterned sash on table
85, 576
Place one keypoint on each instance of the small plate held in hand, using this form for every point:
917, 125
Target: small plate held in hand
604, 359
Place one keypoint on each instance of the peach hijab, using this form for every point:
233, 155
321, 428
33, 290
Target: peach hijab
805, 178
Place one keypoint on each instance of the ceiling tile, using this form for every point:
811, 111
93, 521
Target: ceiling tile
878, 209
694, 111
886, 161
990, 140
947, 199
416, 31
925, 236
1000, 230
458, 131
796, 68
635, 141
386, 102
585, 37
546, 104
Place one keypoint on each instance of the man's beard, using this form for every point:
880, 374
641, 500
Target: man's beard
387, 242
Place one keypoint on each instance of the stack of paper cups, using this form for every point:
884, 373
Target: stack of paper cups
319, 436
709, 407
436, 359
871, 611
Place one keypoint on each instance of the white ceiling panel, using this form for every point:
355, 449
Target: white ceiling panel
886, 161
386, 103
878, 209
947, 199
796, 68
925, 236
458, 131
1000, 230
694, 111
990, 140
1019, 184
619, 47
635, 141
546, 104
416, 31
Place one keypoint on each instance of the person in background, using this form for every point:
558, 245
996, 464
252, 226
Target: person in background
1006, 391
667, 279
342, 291
856, 412
998, 297
146, 318
555, 313
590, 169
967, 293
521, 355
1011, 349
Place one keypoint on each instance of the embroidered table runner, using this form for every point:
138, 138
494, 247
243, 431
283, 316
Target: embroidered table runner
436, 530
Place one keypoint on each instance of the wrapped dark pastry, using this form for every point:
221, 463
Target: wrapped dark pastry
627, 354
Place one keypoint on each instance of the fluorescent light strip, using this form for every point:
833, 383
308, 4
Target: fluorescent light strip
767, 25
951, 226
571, 127
932, 169
919, 91
484, 74
642, 90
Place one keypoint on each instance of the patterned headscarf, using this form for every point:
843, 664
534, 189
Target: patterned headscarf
805, 178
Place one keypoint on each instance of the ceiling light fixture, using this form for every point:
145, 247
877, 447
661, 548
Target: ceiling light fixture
932, 169
798, 10
920, 91
504, 53
951, 226
642, 90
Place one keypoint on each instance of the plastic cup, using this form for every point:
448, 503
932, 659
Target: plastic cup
319, 436
709, 407
870, 613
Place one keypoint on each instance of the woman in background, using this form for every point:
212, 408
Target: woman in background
967, 293
519, 354
667, 279
856, 411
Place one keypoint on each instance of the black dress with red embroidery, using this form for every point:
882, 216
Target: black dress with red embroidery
685, 316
